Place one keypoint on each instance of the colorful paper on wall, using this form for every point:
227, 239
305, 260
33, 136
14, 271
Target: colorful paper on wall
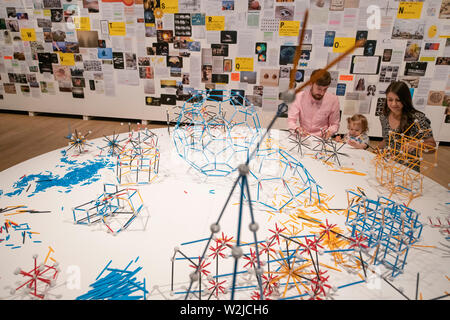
409, 10
169, 6
66, 59
28, 34
289, 28
215, 23
342, 44
82, 23
243, 64
117, 29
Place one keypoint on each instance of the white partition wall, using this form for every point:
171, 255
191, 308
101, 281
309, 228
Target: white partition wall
142, 58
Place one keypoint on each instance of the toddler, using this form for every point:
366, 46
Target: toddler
356, 137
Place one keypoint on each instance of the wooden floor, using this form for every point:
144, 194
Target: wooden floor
23, 137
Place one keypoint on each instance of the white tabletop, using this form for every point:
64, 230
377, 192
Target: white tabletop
182, 204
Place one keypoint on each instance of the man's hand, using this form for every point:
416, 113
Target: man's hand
327, 134
301, 132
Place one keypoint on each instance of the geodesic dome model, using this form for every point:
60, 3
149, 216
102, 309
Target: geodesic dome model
216, 131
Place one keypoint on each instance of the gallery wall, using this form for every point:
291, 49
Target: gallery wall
142, 59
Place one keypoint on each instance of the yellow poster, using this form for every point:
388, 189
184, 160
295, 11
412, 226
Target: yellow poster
215, 23
47, 13
289, 28
66, 59
169, 6
117, 29
28, 34
82, 23
343, 44
409, 10
243, 64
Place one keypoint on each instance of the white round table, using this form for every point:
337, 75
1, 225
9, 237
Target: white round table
182, 204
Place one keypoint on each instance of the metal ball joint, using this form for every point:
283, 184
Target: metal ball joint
214, 228
194, 276
243, 169
236, 252
288, 96
253, 227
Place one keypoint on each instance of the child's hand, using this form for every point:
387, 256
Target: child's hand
355, 144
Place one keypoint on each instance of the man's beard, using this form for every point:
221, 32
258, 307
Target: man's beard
317, 97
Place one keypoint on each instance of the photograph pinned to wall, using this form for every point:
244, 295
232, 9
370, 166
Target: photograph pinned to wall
443, 61
268, 77
444, 12
164, 36
261, 51
91, 5
411, 81
248, 77
299, 75
371, 89
164, 83
435, 98
174, 61
149, 86
219, 78
182, 23
415, 69
78, 93
237, 97
78, 82
194, 46
408, 29
369, 47
219, 50
285, 72
206, 73
65, 86
168, 99
10, 88
360, 83
284, 12
287, 55
388, 73
361, 35
254, 100
162, 48
227, 65
92, 65
61, 73
340, 89
254, 5
152, 101
198, 19
56, 15
320, 4
380, 106
228, 36
329, 38
146, 72
227, 5
434, 46
387, 55
130, 61
104, 53
365, 64
412, 51
118, 61
87, 39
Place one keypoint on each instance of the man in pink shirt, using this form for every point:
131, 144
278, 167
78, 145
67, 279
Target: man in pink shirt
316, 110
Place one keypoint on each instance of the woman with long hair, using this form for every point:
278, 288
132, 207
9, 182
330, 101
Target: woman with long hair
399, 116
